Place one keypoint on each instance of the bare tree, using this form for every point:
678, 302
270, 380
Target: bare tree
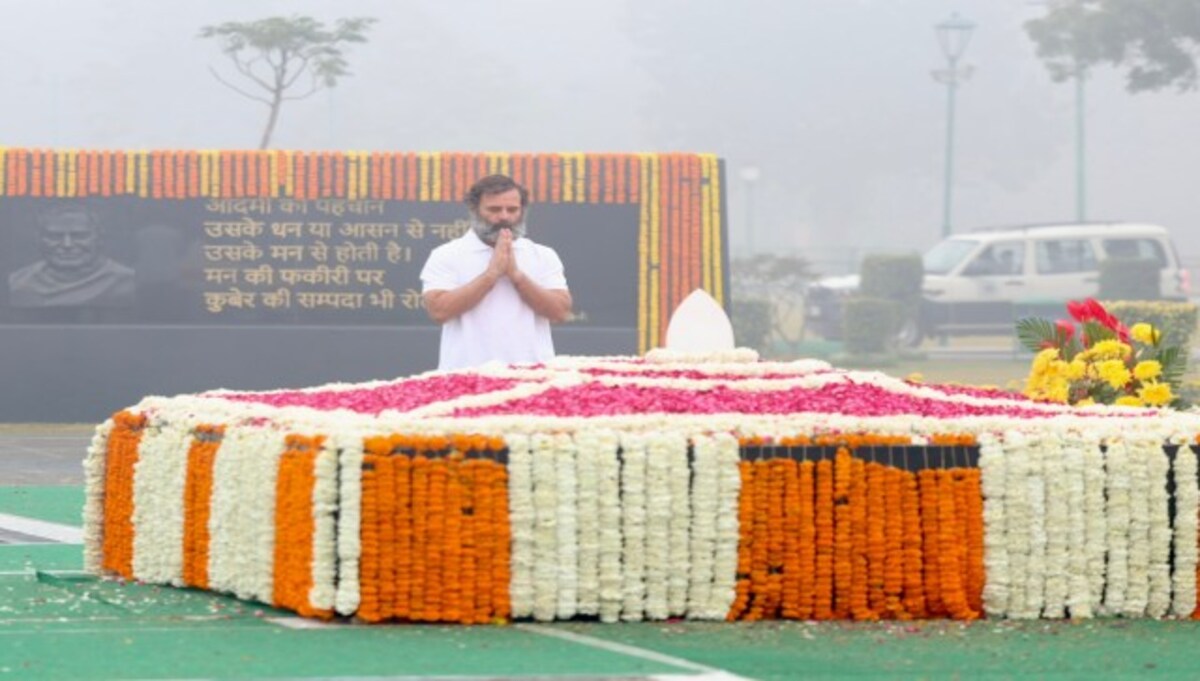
273, 54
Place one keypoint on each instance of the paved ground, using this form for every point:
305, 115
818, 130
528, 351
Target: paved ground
41, 454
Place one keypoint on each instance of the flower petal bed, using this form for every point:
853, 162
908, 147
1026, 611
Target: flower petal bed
710, 487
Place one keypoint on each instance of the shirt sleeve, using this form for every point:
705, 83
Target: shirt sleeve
438, 272
550, 273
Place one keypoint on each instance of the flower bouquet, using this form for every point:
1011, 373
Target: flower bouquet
1093, 358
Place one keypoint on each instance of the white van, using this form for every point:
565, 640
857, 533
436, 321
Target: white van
977, 282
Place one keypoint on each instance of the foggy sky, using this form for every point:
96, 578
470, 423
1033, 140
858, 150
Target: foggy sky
832, 100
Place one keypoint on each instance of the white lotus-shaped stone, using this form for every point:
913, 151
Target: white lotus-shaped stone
700, 324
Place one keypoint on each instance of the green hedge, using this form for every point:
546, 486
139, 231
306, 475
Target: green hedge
1177, 320
892, 277
1130, 279
889, 292
870, 324
751, 321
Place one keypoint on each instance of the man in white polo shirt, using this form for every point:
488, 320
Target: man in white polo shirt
494, 291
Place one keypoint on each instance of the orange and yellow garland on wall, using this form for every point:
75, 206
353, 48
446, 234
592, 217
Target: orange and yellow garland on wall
680, 196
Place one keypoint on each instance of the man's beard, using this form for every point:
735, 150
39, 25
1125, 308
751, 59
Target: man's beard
488, 234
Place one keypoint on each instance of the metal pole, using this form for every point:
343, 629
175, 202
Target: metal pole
951, 85
1080, 157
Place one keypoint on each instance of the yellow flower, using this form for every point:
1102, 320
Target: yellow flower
1147, 370
1108, 349
915, 377
1145, 333
1114, 372
1156, 394
1128, 401
1076, 370
1058, 391
1042, 360
1085, 402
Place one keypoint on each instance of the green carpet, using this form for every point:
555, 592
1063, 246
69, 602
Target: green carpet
57, 623
57, 504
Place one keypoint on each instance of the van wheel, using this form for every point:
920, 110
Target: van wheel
909, 334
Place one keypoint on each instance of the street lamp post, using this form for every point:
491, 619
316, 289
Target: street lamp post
953, 35
750, 175
1080, 139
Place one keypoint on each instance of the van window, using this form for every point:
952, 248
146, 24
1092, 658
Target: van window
1000, 258
946, 255
1061, 256
1149, 249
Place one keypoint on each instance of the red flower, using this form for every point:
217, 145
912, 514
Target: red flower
1065, 329
1091, 310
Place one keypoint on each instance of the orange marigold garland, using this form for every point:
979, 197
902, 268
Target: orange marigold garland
825, 537
790, 597
876, 549
931, 541
294, 526
913, 547
949, 537
843, 528
370, 608
859, 602
893, 531
197, 498
970, 509
806, 543
120, 461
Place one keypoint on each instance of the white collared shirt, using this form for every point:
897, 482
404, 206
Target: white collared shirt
501, 327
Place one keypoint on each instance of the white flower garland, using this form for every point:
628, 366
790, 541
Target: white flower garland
608, 492
1117, 488
658, 525
726, 555
242, 513
669, 356
158, 513
1094, 483
521, 517
1035, 567
705, 490
993, 463
323, 594
545, 528
566, 484
633, 525
588, 506
1137, 593
1157, 469
94, 475
1016, 521
349, 446
1057, 518
679, 555
1187, 505
1079, 595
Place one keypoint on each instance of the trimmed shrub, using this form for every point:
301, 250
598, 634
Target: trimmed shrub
1130, 279
751, 321
869, 325
1177, 319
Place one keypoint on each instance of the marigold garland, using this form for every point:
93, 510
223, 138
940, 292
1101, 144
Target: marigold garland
294, 526
442, 506
197, 501
825, 536
120, 461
